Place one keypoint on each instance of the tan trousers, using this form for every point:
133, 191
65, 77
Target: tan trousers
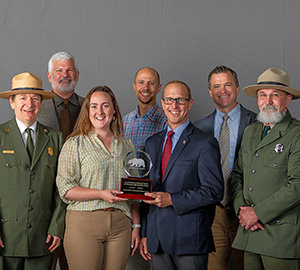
224, 231
98, 240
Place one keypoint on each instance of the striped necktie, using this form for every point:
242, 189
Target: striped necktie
224, 142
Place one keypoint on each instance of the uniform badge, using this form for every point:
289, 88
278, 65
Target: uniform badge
50, 151
278, 148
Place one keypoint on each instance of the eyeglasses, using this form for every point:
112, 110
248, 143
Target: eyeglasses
274, 96
179, 101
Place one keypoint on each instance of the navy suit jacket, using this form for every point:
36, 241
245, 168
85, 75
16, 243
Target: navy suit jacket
194, 179
207, 124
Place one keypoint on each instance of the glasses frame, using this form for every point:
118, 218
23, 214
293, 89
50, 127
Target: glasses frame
176, 99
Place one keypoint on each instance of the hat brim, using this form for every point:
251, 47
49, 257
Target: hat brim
44, 94
251, 90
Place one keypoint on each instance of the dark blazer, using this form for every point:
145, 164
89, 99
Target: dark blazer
48, 116
194, 179
207, 124
30, 207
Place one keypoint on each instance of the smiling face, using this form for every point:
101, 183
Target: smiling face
224, 91
272, 105
176, 114
101, 112
26, 107
64, 76
146, 86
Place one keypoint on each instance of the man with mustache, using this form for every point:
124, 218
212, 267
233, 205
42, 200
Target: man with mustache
63, 76
147, 119
266, 178
61, 112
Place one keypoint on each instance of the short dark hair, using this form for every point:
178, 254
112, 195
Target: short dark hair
223, 69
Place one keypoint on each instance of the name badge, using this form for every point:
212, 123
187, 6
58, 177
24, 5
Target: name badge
8, 151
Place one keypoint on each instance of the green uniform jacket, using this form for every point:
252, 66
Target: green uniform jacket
267, 177
30, 207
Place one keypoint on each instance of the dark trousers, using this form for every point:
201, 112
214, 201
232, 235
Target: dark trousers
163, 261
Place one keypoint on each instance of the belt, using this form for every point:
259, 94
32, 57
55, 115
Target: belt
110, 209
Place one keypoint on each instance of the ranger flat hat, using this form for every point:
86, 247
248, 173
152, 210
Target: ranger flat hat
272, 78
27, 83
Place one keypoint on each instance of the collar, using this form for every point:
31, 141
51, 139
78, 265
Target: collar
178, 131
150, 114
232, 114
22, 127
59, 100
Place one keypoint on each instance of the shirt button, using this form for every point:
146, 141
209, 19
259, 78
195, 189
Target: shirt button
257, 154
275, 164
252, 205
253, 171
31, 190
50, 165
278, 221
7, 164
30, 208
32, 173
250, 188
29, 226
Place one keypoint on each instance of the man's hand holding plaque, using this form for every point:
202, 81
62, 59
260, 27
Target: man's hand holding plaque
137, 165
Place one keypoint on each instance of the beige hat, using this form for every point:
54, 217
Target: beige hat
272, 78
27, 83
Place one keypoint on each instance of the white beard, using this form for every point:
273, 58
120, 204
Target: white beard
270, 114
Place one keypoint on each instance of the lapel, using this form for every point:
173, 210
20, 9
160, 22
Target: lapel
14, 137
156, 159
41, 142
210, 123
245, 120
274, 133
181, 144
50, 114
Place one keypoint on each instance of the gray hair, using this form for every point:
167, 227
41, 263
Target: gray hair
61, 56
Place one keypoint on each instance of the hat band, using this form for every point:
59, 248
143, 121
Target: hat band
27, 88
275, 83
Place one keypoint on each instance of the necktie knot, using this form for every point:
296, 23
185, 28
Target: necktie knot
66, 102
170, 134
225, 118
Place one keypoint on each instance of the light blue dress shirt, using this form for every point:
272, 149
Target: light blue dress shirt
178, 131
233, 124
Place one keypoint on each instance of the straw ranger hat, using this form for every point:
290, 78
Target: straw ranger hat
27, 83
272, 78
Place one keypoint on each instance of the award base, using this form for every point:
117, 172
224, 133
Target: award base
134, 188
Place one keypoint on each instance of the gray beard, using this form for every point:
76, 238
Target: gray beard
270, 114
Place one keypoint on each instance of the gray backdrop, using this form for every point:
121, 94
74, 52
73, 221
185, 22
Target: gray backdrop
182, 39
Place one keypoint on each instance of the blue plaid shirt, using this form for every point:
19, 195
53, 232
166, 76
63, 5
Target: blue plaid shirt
138, 128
